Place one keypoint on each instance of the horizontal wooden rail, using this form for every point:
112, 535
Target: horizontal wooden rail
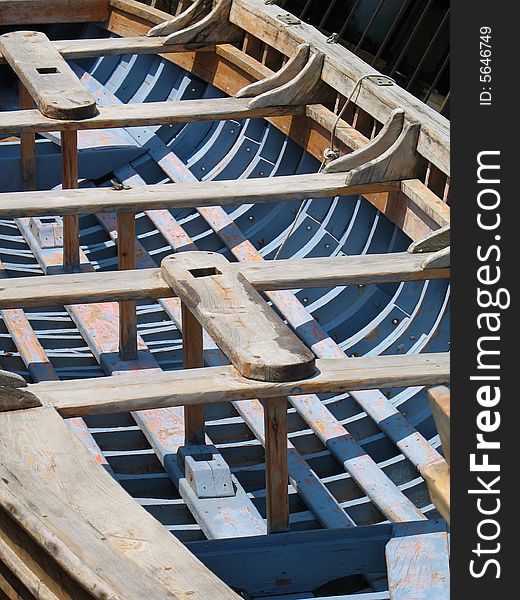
183, 195
31, 12
147, 113
142, 284
141, 391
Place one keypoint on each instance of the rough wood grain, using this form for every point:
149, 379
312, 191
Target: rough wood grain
373, 149
144, 284
69, 169
127, 309
149, 113
223, 384
437, 477
234, 314
439, 398
16, 398
183, 195
439, 260
55, 88
27, 145
276, 467
181, 21
72, 509
436, 240
31, 12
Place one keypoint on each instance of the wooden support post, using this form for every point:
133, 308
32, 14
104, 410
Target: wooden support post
127, 309
27, 145
276, 466
192, 341
69, 170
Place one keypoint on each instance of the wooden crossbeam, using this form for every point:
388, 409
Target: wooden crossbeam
144, 391
183, 195
148, 113
234, 314
32, 12
145, 284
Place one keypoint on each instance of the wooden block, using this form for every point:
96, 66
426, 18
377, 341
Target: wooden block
16, 12
240, 321
15, 398
48, 78
437, 477
440, 403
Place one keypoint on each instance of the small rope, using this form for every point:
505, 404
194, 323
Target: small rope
329, 153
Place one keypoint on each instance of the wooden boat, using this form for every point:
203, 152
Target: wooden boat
250, 418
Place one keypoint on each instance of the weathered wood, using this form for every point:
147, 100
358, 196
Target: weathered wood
436, 240
183, 20
373, 149
304, 88
16, 398
192, 345
183, 195
214, 27
400, 161
27, 145
426, 201
224, 384
285, 75
148, 113
440, 404
31, 12
276, 468
11, 380
69, 169
127, 309
52, 83
418, 563
144, 284
234, 314
104, 541
437, 477
439, 260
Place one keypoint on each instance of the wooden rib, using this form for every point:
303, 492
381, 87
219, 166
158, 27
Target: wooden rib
52, 83
234, 314
127, 309
373, 149
286, 74
192, 345
439, 260
148, 113
142, 391
436, 240
27, 145
194, 12
276, 466
31, 12
183, 195
144, 284
69, 168
105, 542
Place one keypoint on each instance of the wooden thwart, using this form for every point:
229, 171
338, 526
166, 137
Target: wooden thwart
55, 88
141, 391
234, 314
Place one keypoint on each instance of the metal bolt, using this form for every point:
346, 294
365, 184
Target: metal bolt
395, 321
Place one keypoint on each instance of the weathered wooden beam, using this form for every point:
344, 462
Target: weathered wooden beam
223, 384
276, 466
27, 145
69, 169
192, 345
148, 113
439, 398
234, 314
127, 308
52, 83
433, 242
105, 542
144, 284
32, 12
183, 195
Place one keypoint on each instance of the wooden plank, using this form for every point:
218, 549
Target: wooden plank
148, 113
224, 384
183, 195
425, 200
27, 145
69, 169
437, 477
144, 284
127, 309
52, 83
105, 541
234, 314
276, 466
192, 345
418, 563
32, 12
439, 398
